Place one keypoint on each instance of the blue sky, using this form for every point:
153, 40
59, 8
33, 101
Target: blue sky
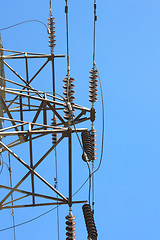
127, 187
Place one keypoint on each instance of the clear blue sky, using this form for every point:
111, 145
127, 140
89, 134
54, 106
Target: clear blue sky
127, 187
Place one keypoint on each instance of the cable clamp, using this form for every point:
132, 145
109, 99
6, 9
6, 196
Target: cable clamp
66, 9
86, 157
69, 106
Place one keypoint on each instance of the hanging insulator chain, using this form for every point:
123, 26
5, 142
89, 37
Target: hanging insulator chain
70, 226
89, 221
54, 135
88, 150
69, 98
51, 31
93, 85
94, 140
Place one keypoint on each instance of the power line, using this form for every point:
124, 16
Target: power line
67, 35
10, 177
1, 163
94, 31
56, 185
14, 25
31, 220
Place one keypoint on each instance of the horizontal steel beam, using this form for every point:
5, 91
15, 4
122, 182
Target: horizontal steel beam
30, 123
40, 204
32, 56
30, 96
63, 130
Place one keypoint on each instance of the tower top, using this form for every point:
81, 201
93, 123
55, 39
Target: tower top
51, 30
50, 8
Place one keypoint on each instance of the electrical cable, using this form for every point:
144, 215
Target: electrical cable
67, 35
94, 31
2, 163
31, 220
10, 175
93, 186
54, 136
102, 102
89, 196
27, 21
56, 186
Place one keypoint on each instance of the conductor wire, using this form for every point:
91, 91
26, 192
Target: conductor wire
67, 36
10, 175
31, 220
56, 166
14, 25
67, 27
2, 163
54, 118
94, 31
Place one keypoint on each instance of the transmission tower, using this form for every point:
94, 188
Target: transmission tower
26, 112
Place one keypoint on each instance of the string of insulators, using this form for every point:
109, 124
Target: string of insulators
69, 98
51, 31
89, 221
54, 135
94, 140
70, 226
93, 85
88, 150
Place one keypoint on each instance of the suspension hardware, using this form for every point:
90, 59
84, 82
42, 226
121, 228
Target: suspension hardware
87, 146
70, 226
89, 221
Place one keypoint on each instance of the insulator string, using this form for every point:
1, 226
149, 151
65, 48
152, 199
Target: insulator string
102, 138
70, 226
89, 221
68, 86
67, 36
87, 146
69, 98
51, 31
